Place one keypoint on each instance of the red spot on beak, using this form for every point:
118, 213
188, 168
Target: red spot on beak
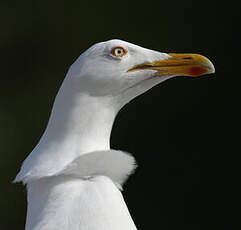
197, 71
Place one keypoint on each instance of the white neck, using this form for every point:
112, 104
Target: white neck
79, 123
83, 120
62, 192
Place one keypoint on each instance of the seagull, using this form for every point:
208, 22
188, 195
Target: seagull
74, 180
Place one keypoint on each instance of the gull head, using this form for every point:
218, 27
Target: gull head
98, 84
122, 70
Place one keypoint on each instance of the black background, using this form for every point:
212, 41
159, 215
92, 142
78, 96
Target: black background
184, 133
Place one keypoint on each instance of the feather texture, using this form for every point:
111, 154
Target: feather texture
117, 165
68, 203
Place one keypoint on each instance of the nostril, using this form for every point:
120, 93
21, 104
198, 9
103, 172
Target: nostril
187, 58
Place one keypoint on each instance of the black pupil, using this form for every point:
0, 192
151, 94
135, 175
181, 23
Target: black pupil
119, 51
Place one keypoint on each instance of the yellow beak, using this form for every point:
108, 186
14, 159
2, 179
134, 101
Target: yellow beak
192, 65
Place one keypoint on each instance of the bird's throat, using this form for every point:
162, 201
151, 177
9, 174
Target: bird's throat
82, 121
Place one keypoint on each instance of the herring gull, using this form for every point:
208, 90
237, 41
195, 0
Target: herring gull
73, 178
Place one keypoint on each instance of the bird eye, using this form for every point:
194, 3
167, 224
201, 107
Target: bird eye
118, 51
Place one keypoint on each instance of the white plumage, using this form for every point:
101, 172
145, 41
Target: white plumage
72, 176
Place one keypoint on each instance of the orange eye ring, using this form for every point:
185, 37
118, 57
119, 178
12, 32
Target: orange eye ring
118, 51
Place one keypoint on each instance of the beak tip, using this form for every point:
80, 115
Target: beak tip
206, 67
210, 67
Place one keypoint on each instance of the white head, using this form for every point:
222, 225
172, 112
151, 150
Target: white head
123, 70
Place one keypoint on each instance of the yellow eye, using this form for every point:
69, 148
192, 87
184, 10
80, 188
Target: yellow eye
118, 51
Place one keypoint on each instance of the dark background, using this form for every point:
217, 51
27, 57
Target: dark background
184, 133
